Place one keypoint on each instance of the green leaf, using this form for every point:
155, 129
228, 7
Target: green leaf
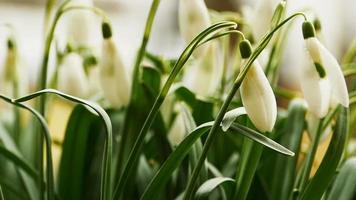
1, 194
18, 162
72, 173
291, 138
207, 187
326, 171
231, 116
173, 161
344, 186
261, 139
93, 107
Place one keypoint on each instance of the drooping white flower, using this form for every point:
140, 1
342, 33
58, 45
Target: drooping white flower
202, 77
113, 75
80, 24
323, 84
71, 76
257, 95
193, 18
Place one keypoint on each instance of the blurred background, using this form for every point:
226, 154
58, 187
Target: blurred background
128, 18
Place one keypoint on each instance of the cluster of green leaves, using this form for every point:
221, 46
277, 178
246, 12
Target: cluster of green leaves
127, 154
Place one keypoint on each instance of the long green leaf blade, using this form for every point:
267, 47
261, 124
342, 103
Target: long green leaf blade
324, 175
344, 186
208, 186
260, 138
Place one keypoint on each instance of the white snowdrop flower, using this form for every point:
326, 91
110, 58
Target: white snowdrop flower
178, 130
260, 16
113, 75
80, 25
323, 84
202, 77
257, 95
71, 76
193, 18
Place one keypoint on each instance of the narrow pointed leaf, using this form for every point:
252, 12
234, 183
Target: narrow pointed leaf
327, 169
231, 116
207, 187
258, 137
344, 186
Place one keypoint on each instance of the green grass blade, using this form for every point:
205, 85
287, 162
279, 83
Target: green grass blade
106, 187
291, 138
327, 169
344, 186
71, 174
207, 187
18, 162
173, 161
261, 139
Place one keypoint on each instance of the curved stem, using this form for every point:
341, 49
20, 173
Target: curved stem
106, 187
134, 154
48, 141
135, 80
310, 157
213, 131
44, 71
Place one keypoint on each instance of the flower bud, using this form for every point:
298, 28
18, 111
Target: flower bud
258, 99
193, 18
308, 30
245, 49
71, 76
113, 76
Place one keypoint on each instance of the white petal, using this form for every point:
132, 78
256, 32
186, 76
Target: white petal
193, 18
81, 25
202, 77
258, 99
178, 130
312, 45
335, 75
71, 76
316, 90
113, 76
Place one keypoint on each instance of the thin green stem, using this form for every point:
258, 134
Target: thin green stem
106, 186
134, 154
310, 157
1, 194
135, 85
349, 72
43, 78
48, 142
213, 131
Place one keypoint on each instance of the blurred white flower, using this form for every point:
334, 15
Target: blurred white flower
259, 17
71, 76
202, 77
178, 130
81, 25
193, 18
258, 98
113, 76
323, 84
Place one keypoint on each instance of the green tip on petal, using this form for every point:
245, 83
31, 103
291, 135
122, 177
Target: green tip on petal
10, 44
308, 30
317, 24
106, 30
245, 48
320, 69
